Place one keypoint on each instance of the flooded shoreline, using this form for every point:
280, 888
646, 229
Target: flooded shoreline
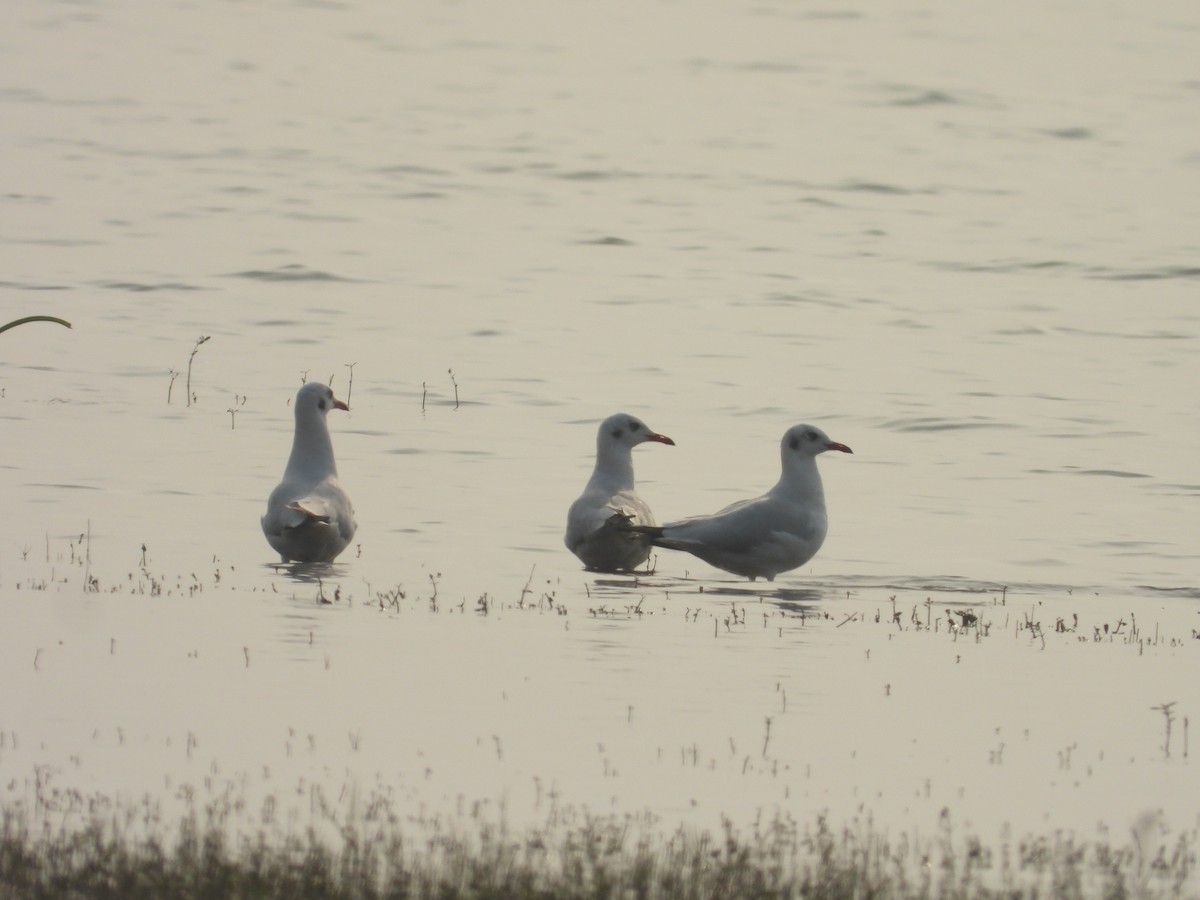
765, 748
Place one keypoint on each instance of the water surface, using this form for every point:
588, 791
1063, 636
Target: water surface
960, 241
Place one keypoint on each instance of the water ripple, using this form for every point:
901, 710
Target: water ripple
1186, 593
140, 287
877, 187
1104, 473
1078, 270
1069, 134
595, 175
19, 286
940, 424
1159, 274
608, 241
916, 97
294, 272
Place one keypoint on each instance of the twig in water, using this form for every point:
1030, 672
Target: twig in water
203, 339
528, 590
239, 400
454, 381
87, 569
424, 391
1165, 709
173, 375
15, 322
350, 385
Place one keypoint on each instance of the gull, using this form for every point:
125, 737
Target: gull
309, 517
600, 523
777, 532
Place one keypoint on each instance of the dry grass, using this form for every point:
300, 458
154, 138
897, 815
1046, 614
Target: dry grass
122, 851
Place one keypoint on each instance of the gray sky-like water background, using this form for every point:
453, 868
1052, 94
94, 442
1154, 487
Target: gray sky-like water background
961, 238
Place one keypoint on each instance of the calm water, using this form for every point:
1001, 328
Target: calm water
961, 240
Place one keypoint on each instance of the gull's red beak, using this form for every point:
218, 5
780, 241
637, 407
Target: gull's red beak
338, 404
661, 438
834, 445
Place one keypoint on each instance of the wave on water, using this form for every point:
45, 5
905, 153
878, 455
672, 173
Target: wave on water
877, 187
955, 588
1073, 269
294, 272
20, 286
595, 175
64, 486
1175, 489
1068, 133
1183, 593
1150, 335
904, 95
823, 592
1159, 274
812, 592
409, 169
1108, 473
608, 241
1076, 470
954, 584
138, 287
942, 424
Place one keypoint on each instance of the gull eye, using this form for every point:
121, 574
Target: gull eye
811, 435
634, 425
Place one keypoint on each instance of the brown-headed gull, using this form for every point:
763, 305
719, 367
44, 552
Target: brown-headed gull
599, 522
309, 517
777, 532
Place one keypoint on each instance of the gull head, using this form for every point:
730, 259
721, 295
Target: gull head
315, 397
808, 440
623, 430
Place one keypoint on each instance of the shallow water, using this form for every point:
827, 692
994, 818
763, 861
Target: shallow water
962, 242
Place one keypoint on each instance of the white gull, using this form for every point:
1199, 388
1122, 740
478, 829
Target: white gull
779, 531
599, 523
309, 517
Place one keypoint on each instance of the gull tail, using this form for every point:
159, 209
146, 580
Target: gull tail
654, 532
310, 510
658, 537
